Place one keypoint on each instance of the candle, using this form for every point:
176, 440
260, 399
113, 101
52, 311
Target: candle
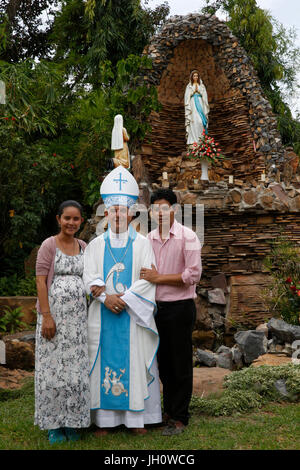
165, 175
263, 177
230, 179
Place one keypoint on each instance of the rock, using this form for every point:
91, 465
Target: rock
282, 196
216, 296
283, 331
271, 360
236, 195
288, 350
224, 360
218, 321
189, 198
19, 355
219, 281
250, 197
237, 356
203, 339
203, 320
252, 343
206, 357
263, 327
28, 338
271, 346
13, 379
223, 349
266, 201
280, 386
208, 380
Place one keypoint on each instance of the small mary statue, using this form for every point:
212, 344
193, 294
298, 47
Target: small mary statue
119, 139
196, 108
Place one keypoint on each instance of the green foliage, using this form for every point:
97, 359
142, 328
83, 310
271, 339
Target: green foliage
251, 388
11, 321
32, 93
33, 182
55, 128
8, 285
283, 263
24, 36
86, 34
92, 117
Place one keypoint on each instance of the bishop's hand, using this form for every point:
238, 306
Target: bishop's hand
114, 303
96, 291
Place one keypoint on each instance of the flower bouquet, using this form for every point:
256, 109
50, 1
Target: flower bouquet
206, 151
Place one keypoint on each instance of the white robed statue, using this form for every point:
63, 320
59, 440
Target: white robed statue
122, 334
119, 139
196, 108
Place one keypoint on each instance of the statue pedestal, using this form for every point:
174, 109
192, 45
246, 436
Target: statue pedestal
204, 170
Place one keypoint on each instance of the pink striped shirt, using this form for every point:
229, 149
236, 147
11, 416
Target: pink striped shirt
180, 253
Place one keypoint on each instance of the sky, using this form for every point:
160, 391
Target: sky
286, 12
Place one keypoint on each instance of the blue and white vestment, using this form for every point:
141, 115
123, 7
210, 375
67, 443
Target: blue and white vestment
122, 347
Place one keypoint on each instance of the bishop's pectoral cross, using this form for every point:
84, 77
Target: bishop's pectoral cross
120, 181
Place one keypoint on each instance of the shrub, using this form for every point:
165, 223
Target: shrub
250, 389
11, 286
282, 296
11, 321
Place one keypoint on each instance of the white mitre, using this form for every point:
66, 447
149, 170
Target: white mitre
119, 188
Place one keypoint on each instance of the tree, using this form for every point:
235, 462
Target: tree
25, 29
88, 33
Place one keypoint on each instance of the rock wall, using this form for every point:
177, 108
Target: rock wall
240, 119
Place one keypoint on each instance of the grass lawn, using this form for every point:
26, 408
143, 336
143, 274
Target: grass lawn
276, 426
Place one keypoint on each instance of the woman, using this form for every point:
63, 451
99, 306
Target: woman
119, 139
196, 108
62, 396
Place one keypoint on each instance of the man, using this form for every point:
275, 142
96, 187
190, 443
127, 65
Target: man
122, 334
178, 256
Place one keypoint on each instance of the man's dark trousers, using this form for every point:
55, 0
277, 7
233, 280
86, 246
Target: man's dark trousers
175, 323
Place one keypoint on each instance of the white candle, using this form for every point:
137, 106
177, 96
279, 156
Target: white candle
263, 177
230, 179
165, 175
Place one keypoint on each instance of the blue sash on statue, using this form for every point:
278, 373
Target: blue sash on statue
115, 329
200, 111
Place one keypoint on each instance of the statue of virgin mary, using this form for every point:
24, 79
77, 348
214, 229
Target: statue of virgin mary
196, 108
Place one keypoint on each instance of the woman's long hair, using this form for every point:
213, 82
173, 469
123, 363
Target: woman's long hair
191, 77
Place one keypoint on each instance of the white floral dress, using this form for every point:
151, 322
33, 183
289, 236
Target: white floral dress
62, 393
